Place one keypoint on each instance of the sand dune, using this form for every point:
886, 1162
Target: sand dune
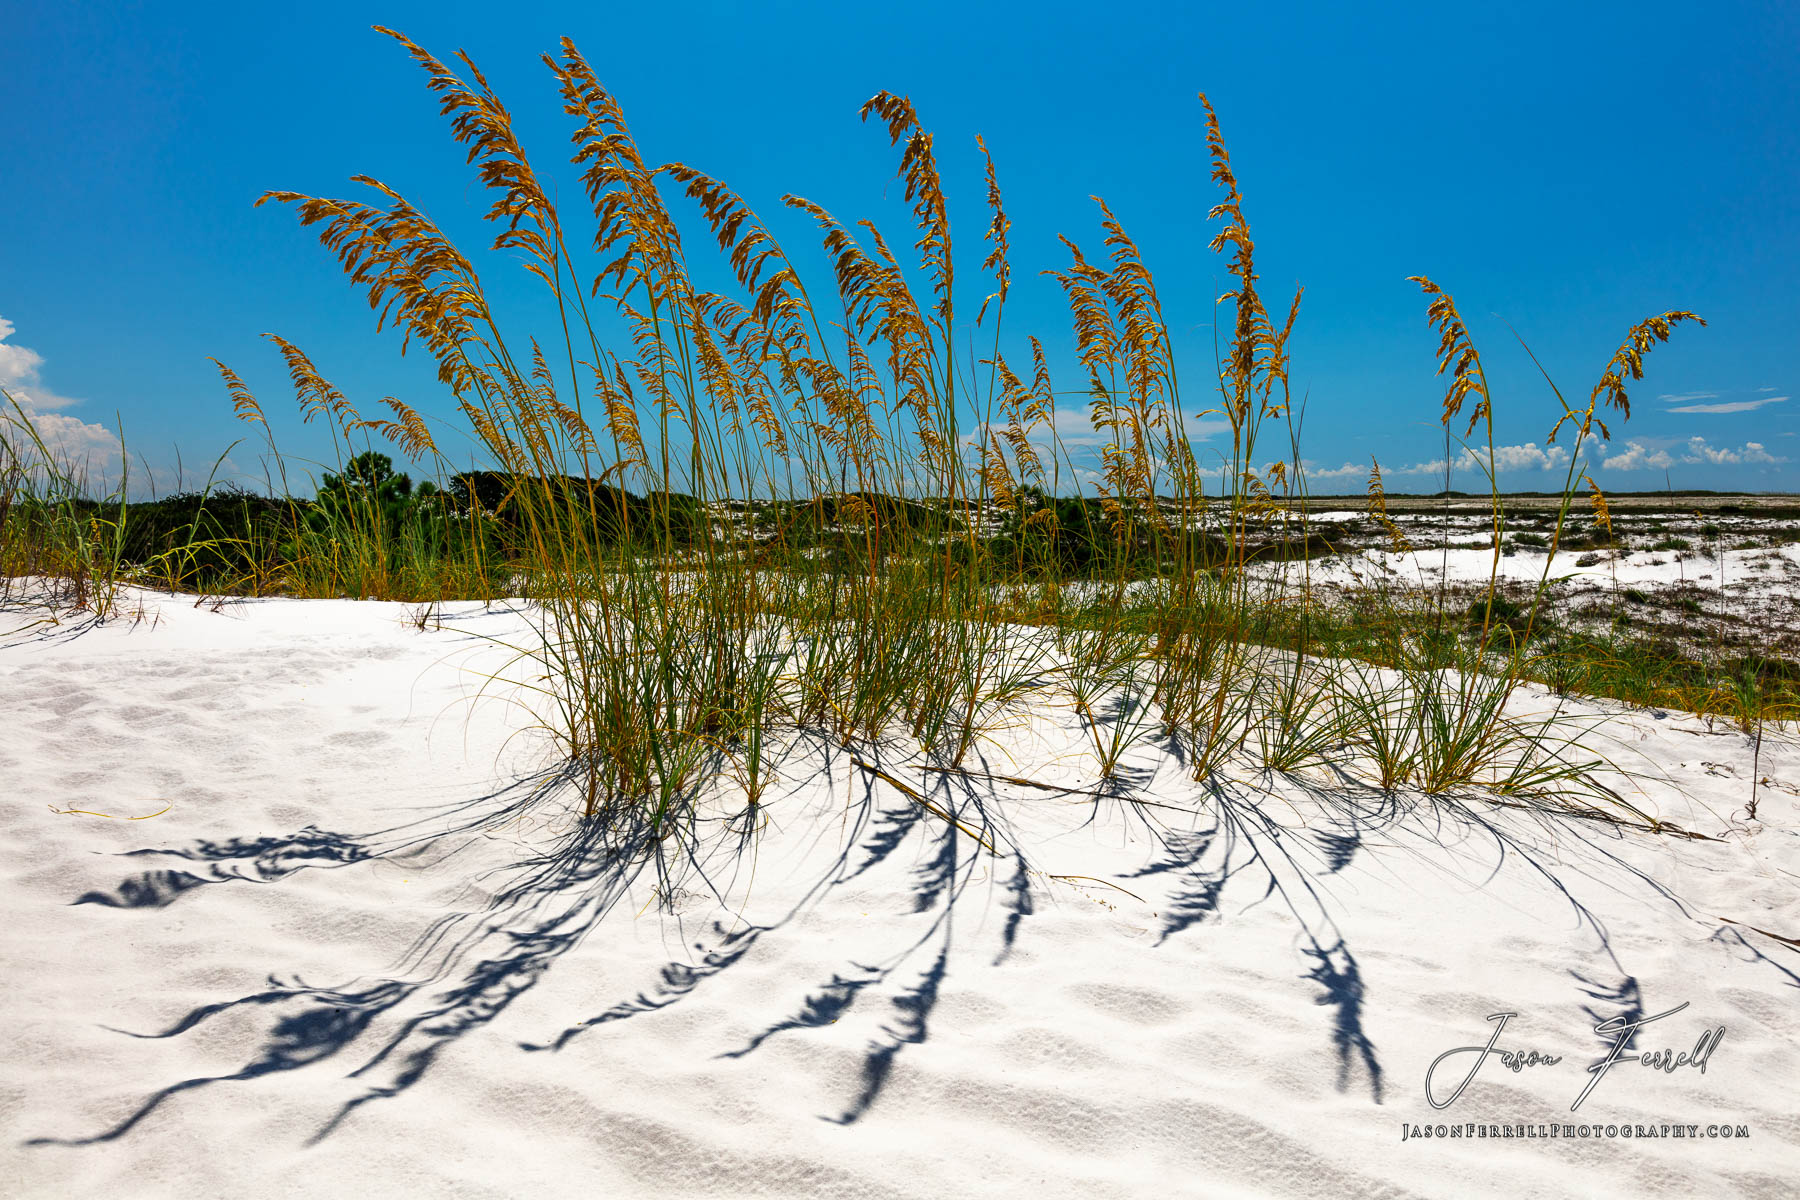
363, 947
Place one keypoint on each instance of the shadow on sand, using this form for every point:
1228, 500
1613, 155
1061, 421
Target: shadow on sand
469, 965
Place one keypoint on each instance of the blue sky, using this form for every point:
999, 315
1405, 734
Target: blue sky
1567, 168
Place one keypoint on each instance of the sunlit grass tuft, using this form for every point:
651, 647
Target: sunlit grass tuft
785, 505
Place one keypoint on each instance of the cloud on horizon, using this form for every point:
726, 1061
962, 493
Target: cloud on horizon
1527, 456
1696, 451
1633, 456
74, 440
1347, 471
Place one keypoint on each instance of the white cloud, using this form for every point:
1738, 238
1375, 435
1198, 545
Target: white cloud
1750, 452
1636, 457
1731, 407
74, 442
1528, 456
1696, 451
1686, 397
86, 449
17, 364
1347, 471
19, 367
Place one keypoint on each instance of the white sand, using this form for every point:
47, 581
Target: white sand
414, 978
1640, 568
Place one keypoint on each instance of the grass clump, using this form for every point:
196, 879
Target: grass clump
762, 507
